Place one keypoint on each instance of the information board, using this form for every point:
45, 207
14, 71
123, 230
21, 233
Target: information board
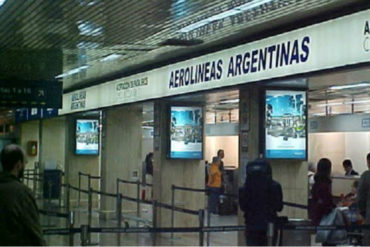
31, 94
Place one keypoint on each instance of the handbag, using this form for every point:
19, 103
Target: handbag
339, 236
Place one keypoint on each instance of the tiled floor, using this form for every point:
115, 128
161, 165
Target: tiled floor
142, 239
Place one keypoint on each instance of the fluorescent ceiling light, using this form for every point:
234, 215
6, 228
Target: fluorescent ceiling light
72, 71
330, 104
318, 114
88, 45
363, 84
111, 57
89, 29
223, 15
330, 113
229, 101
358, 102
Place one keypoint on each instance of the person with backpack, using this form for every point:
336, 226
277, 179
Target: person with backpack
260, 199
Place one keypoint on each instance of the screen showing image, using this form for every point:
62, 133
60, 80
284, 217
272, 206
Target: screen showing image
87, 136
186, 135
285, 129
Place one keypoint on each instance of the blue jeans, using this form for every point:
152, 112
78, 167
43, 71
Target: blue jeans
213, 199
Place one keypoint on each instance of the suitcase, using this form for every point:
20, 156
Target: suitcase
227, 206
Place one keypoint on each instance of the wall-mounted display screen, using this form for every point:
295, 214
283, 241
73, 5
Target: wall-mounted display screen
186, 132
285, 124
87, 136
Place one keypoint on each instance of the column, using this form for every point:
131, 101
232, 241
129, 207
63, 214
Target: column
167, 172
121, 153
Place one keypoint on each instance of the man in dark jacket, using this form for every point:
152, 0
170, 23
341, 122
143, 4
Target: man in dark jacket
260, 199
19, 219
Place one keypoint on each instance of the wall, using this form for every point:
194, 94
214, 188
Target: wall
147, 145
228, 143
53, 142
340, 123
122, 153
292, 175
338, 146
30, 132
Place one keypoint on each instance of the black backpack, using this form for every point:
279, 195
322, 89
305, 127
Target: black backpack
255, 196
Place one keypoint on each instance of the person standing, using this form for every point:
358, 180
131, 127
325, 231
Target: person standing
214, 185
321, 193
363, 199
260, 199
19, 218
348, 168
148, 176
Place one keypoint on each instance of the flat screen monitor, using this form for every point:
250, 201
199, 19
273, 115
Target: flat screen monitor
186, 132
285, 124
87, 136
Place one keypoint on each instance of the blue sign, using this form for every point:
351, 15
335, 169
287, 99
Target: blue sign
28, 114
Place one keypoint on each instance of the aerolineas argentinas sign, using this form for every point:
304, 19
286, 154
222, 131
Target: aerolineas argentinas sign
251, 61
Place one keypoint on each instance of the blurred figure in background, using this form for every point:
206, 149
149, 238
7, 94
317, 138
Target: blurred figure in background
214, 185
363, 199
348, 168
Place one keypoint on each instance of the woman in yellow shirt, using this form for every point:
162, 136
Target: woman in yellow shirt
214, 185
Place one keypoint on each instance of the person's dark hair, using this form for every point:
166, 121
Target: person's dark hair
263, 164
219, 151
368, 156
148, 158
10, 156
347, 163
149, 163
323, 171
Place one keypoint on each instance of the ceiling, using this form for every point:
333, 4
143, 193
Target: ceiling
84, 41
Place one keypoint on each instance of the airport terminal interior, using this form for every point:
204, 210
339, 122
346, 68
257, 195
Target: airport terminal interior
123, 106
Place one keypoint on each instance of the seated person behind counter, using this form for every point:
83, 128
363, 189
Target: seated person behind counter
347, 165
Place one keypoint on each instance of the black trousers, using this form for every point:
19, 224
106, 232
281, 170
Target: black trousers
256, 238
259, 238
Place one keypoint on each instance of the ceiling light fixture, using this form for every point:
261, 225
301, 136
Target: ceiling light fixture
362, 84
330, 104
89, 29
72, 71
357, 102
229, 101
220, 16
111, 57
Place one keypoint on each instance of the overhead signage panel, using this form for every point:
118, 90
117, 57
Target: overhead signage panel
20, 93
27, 114
331, 44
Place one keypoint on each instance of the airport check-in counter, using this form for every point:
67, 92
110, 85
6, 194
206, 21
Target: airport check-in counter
342, 185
